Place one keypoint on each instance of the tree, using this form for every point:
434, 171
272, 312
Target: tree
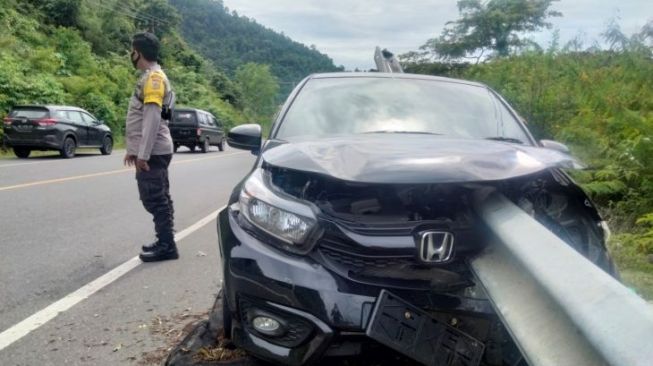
61, 12
489, 26
259, 88
159, 17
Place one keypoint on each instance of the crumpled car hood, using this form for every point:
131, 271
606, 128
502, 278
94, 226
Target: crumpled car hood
412, 158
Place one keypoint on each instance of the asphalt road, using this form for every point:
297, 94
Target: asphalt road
64, 223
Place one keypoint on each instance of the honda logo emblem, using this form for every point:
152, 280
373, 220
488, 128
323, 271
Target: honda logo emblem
436, 246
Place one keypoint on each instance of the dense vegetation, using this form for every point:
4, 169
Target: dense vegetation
77, 52
600, 103
230, 40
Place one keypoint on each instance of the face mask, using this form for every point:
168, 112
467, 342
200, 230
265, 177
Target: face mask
135, 61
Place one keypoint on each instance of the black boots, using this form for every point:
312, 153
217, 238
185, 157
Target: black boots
159, 252
149, 247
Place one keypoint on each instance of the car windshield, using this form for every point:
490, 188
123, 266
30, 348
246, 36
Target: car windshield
337, 106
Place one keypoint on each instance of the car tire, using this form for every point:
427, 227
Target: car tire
221, 145
175, 147
22, 152
206, 145
107, 146
191, 148
68, 149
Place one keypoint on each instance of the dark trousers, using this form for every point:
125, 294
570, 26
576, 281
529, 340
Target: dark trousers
154, 191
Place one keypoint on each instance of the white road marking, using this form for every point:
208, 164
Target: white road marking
36, 320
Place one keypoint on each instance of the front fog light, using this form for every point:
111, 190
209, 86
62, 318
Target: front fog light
266, 325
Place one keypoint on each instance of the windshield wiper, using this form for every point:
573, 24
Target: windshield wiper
415, 132
505, 139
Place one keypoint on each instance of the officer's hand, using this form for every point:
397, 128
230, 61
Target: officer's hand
129, 160
141, 165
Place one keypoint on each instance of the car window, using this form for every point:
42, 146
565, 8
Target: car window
184, 118
61, 114
88, 118
212, 121
203, 119
76, 117
31, 113
334, 106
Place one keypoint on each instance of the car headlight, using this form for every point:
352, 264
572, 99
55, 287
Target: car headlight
285, 218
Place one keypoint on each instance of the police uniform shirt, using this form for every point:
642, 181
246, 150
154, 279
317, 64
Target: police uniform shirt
146, 133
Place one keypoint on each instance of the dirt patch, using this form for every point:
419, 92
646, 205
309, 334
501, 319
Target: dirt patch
223, 351
170, 330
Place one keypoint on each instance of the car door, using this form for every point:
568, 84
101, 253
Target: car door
95, 133
79, 126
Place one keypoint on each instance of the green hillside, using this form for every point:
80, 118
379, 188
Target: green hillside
77, 52
230, 40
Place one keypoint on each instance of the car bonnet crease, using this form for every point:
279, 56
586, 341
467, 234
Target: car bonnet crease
413, 159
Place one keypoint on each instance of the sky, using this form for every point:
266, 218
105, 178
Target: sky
349, 30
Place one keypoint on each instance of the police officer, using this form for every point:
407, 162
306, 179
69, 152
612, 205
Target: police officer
149, 145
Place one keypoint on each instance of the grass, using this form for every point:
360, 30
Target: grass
634, 265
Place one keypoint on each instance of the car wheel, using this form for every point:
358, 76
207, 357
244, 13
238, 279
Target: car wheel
68, 149
175, 147
221, 145
22, 152
107, 146
206, 146
192, 148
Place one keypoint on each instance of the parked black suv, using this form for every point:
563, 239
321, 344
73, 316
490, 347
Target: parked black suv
50, 127
363, 199
194, 127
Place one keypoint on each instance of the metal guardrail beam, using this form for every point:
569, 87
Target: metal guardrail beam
560, 308
386, 61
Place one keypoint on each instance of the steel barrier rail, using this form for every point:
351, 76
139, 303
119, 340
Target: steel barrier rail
559, 307
386, 61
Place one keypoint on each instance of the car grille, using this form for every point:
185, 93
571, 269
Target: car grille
360, 262
397, 268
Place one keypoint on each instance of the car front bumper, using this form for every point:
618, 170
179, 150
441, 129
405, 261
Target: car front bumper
294, 288
318, 308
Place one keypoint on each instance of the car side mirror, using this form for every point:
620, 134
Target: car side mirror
99, 122
555, 145
245, 137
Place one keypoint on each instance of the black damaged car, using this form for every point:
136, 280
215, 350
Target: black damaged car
363, 195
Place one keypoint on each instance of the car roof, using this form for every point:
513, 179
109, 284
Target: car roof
50, 107
386, 75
